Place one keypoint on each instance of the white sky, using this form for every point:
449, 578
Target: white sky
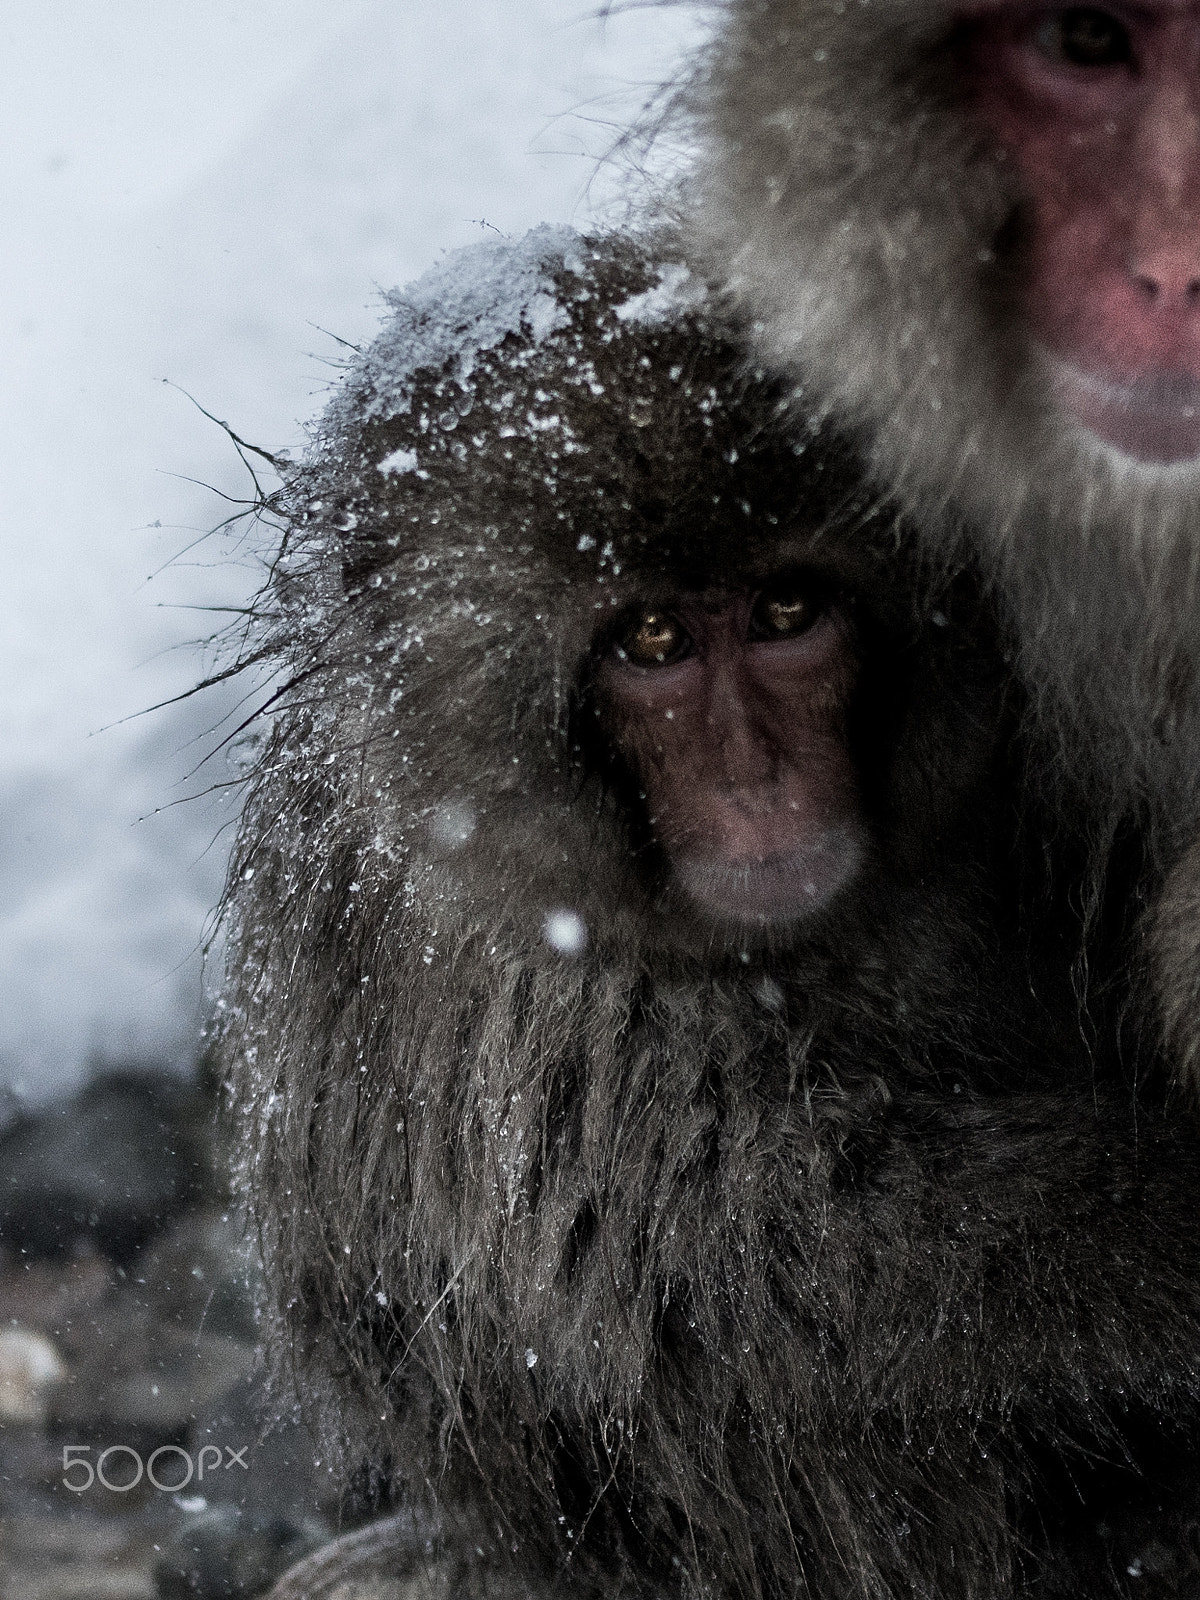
190, 190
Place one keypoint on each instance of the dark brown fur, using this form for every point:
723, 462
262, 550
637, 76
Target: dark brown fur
852, 1262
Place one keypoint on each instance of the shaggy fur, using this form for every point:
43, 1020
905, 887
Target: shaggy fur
838, 1263
868, 227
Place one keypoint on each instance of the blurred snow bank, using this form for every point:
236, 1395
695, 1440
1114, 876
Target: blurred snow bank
193, 192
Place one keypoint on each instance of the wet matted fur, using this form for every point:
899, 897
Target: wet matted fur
851, 1261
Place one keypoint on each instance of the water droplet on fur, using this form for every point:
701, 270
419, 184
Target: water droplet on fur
769, 994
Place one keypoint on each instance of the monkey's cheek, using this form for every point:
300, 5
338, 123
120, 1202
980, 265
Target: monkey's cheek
774, 890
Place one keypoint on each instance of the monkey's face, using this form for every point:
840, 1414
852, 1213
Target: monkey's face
971, 229
1099, 109
730, 713
982, 217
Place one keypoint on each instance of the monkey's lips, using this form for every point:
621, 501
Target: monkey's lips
772, 890
1154, 417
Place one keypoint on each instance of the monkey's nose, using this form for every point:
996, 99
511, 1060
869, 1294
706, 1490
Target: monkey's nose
1168, 278
741, 757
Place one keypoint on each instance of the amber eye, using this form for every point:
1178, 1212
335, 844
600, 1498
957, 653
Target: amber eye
1086, 37
784, 612
653, 638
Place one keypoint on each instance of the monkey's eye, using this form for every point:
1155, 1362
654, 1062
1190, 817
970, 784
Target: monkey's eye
1085, 36
652, 639
783, 612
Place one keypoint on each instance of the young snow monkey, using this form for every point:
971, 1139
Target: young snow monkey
687, 1156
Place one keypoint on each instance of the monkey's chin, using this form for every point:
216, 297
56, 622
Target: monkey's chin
1153, 419
775, 890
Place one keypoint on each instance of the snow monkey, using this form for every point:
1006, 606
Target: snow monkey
973, 232
682, 1143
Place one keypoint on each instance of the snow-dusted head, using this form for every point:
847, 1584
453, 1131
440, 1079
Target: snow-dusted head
973, 231
556, 538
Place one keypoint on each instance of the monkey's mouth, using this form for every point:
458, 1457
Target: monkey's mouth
1154, 418
773, 890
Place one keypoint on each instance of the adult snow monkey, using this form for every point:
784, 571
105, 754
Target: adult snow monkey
973, 232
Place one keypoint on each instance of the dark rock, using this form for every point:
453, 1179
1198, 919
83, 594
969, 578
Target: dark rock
202, 1275
75, 1558
284, 1473
144, 1384
56, 1297
228, 1554
105, 1169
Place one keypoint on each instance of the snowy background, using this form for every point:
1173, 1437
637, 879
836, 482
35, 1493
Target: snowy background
208, 193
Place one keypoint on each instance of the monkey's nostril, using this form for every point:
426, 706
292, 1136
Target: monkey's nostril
1155, 287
